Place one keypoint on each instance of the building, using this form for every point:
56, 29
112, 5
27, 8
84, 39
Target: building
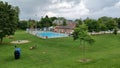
68, 29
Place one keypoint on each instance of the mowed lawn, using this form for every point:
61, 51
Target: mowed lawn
61, 52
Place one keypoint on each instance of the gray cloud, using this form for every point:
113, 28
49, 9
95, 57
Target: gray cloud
97, 5
70, 9
112, 11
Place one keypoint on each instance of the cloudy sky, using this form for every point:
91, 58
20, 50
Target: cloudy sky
70, 9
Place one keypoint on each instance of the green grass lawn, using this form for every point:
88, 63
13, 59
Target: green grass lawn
61, 52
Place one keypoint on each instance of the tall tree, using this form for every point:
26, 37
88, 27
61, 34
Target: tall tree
23, 24
93, 25
103, 27
115, 30
79, 22
64, 22
8, 20
32, 24
111, 24
117, 21
17, 10
46, 22
53, 18
87, 21
81, 33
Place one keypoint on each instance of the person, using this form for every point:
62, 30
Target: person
17, 52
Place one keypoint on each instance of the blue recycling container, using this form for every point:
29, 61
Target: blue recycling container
17, 53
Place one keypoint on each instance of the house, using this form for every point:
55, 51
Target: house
58, 22
68, 29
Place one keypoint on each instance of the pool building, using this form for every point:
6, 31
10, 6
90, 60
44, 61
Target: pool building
65, 29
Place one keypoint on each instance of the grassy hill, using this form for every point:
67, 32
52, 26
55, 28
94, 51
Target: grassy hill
61, 52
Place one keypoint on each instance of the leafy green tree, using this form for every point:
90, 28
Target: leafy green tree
79, 22
8, 19
39, 25
103, 27
32, 24
46, 22
93, 25
87, 21
64, 23
23, 24
17, 10
53, 18
81, 33
111, 24
96, 25
118, 22
115, 31
104, 19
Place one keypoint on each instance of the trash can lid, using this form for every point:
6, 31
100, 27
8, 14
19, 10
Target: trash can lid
17, 49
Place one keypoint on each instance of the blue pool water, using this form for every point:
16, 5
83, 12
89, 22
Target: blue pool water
51, 34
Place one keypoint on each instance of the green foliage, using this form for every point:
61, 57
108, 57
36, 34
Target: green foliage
79, 22
115, 31
53, 18
23, 24
93, 25
118, 22
8, 19
108, 23
64, 23
32, 24
45, 22
111, 24
81, 33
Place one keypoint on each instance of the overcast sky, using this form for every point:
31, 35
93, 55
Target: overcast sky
70, 9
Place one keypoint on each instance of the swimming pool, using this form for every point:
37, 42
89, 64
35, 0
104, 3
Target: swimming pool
50, 34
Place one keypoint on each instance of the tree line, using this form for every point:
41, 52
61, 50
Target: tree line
43, 22
102, 24
94, 25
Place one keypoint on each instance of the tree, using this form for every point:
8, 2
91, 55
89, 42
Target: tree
93, 25
103, 27
46, 22
17, 10
32, 24
8, 19
79, 22
111, 24
23, 24
64, 23
81, 33
115, 30
87, 21
53, 18
103, 20
118, 22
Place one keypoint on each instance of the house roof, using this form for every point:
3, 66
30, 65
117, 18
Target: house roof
70, 25
64, 27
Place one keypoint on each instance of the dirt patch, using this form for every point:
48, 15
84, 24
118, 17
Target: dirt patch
20, 41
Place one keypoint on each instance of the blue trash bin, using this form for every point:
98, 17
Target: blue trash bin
17, 53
